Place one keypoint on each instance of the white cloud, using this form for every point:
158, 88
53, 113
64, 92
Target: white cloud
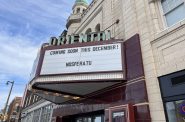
17, 54
48, 13
25, 24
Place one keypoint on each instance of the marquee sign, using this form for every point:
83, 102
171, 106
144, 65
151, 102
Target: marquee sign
80, 38
84, 69
87, 59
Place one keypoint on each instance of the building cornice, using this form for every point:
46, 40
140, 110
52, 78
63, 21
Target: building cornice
74, 18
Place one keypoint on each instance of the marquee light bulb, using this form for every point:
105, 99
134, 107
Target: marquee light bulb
66, 96
76, 98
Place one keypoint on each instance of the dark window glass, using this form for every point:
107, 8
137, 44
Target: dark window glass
178, 80
176, 111
90, 119
78, 10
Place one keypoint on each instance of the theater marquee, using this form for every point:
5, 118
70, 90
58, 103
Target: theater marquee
88, 59
80, 70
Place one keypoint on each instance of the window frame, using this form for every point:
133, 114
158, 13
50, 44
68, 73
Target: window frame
46, 113
163, 14
165, 108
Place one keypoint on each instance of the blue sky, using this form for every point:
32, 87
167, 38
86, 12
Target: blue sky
24, 26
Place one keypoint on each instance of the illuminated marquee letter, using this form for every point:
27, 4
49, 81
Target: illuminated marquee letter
101, 36
108, 35
61, 40
74, 38
93, 37
68, 38
83, 38
53, 41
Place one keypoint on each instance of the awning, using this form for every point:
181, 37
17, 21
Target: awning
59, 89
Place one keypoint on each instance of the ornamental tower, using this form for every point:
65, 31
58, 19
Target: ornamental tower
74, 19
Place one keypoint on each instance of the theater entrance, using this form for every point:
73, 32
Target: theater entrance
86, 117
99, 118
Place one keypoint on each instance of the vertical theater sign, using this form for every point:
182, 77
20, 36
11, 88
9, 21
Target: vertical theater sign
94, 72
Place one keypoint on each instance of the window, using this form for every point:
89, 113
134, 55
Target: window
26, 103
36, 115
83, 10
174, 11
78, 10
178, 80
98, 119
176, 111
91, 119
85, 119
17, 107
14, 113
29, 117
97, 28
46, 112
40, 115
119, 116
88, 31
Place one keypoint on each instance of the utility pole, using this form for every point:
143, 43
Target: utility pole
12, 83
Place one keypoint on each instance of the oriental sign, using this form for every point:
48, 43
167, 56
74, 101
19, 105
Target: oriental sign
88, 59
80, 38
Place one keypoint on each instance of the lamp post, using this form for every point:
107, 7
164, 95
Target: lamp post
12, 83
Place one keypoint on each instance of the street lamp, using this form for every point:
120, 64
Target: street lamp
7, 83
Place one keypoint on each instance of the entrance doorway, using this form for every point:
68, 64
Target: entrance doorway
97, 116
90, 119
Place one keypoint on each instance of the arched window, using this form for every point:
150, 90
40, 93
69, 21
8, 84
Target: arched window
83, 10
88, 31
78, 10
89, 35
97, 28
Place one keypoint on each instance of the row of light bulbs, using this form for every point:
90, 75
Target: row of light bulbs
57, 94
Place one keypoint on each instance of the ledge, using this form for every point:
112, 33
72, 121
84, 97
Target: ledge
73, 18
169, 30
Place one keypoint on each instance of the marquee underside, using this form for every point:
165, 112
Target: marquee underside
62, 92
